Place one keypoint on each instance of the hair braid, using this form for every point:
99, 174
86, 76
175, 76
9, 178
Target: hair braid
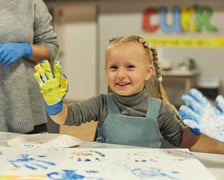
156, 64
161, 93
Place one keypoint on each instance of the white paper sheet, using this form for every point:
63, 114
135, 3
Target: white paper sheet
100, 164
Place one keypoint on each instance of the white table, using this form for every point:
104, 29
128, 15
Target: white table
213, 162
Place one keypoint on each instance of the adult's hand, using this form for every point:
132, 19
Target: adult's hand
11, 52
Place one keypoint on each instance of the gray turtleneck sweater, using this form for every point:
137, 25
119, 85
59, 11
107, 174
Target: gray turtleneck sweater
95, 109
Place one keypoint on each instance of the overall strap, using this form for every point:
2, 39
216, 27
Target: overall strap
153, 108
112, 108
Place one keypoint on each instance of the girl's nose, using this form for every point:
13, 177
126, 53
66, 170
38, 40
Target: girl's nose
120, 73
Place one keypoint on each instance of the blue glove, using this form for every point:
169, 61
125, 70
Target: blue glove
11, 52
201, 116
54, 109
196, 102
191, 119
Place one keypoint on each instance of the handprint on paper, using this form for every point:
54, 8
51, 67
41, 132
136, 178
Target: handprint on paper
154, 173
74, 174
32, 163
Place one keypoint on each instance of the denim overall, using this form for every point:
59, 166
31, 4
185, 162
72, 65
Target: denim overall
131, 130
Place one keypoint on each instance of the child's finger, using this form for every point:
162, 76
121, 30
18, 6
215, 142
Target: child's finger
187, 113
57, 69
40, 72
63, 81
37, 76
47, 69
192, 103
198, 96
220, 103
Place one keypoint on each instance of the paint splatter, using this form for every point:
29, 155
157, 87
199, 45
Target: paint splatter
88, 156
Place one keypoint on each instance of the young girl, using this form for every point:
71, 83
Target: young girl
136, 111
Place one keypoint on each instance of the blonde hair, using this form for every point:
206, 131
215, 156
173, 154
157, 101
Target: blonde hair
154, 85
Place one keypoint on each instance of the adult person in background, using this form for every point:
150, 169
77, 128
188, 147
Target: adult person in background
26, 37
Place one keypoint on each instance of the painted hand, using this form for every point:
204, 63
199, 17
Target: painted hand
201, 116
53, 86
11, 52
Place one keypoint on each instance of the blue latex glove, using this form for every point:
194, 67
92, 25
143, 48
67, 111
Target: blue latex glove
201, 116
11, 52
54, 109
53, 86
196, 102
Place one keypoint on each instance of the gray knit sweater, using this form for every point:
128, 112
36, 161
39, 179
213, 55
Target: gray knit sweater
21, 104
95, 109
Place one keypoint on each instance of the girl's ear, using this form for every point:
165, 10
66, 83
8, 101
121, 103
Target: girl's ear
149, 72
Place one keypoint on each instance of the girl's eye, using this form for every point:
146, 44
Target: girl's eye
113, 67
130, 66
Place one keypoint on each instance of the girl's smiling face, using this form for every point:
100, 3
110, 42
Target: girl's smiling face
127, 69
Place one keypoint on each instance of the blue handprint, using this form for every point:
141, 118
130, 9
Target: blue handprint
73, 174
31, 163
152, 172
